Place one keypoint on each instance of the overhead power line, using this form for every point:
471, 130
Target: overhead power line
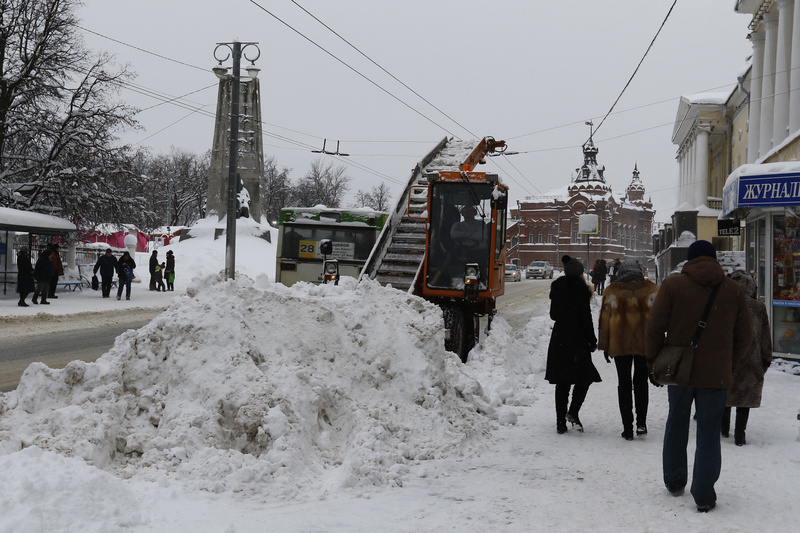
637, 66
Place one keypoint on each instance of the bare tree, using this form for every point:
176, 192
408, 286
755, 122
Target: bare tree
378, 198
277, 190
323, 184
176, 187
58, 117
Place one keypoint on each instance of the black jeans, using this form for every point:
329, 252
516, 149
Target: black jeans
638, 385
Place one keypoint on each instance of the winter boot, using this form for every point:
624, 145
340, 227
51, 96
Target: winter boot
578, 396
742, 414
725, 426
562, 398
624, 395
35, 299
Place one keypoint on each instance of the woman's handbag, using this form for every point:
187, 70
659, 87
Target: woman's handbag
673, 364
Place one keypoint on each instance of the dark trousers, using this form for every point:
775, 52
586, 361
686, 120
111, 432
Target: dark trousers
124, 283
51, 291
42, 288
638, 386
709, 406
105, 285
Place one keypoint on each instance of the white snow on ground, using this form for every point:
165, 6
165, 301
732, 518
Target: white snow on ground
247, 406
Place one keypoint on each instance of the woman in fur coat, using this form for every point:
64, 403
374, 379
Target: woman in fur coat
569, 355
623, 318
748, 377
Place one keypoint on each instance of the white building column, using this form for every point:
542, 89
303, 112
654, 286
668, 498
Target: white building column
783, 64
701, 168
794, 78
770, 24
756, 75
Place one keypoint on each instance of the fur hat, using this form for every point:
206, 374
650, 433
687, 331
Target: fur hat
629, 271
169, 252
745, 281
701, 248
572, 267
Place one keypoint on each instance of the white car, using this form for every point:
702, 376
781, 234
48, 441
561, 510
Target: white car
539, 269
513, 272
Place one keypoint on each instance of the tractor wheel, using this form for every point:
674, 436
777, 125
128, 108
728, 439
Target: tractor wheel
462, 331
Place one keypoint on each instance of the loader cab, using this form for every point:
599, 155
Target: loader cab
466, 238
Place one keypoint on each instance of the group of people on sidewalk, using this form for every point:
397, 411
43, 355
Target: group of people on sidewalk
108, 265
41, 279
636, 319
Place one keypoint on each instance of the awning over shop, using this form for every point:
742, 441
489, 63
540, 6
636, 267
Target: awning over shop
765, 185
38, 223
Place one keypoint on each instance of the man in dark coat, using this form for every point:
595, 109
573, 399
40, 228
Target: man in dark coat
107, 265
569, 355
153, 265
726, 337
25, 283
58, 270
42, 272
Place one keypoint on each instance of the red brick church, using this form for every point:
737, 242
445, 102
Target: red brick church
546, 227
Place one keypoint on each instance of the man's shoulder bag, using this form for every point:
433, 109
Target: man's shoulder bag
673, 364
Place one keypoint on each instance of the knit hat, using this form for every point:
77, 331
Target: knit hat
629, 271
572, 267
701, 248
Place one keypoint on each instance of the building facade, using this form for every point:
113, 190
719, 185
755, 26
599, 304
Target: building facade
764, 194
547, 227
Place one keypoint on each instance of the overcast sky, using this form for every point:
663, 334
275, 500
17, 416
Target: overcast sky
527, 71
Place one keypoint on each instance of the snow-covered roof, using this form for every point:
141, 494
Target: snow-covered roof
16, 220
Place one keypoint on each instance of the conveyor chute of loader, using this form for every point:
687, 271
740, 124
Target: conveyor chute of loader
445, 240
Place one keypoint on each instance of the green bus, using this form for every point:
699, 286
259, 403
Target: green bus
353, 233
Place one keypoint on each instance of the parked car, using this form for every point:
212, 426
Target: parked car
539, 269
513, 273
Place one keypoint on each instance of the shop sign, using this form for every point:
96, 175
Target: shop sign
769, 190
728, 228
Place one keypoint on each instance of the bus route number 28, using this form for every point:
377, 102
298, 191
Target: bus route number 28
308, 249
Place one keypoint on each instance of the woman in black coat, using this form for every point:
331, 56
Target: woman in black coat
25, 283
569, 356
125, 267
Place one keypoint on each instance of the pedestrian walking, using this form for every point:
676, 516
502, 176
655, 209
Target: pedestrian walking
58, 269
726, 337
107, 265
569, 355
125, 267
748, 376
621, 335
42, 272
598, 275
169, 271
25, 279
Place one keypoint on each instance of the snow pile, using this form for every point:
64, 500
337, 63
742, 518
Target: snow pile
251, 386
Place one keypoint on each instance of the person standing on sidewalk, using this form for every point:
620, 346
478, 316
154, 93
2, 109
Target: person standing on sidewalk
42, 272
58, 269
569, 355
621, 335
169, 271
25, 282
748, 377
153, 265
726, 337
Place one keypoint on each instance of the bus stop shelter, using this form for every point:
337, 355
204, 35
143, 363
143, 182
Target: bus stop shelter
15, 221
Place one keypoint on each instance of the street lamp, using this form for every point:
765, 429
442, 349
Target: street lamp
235, 50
